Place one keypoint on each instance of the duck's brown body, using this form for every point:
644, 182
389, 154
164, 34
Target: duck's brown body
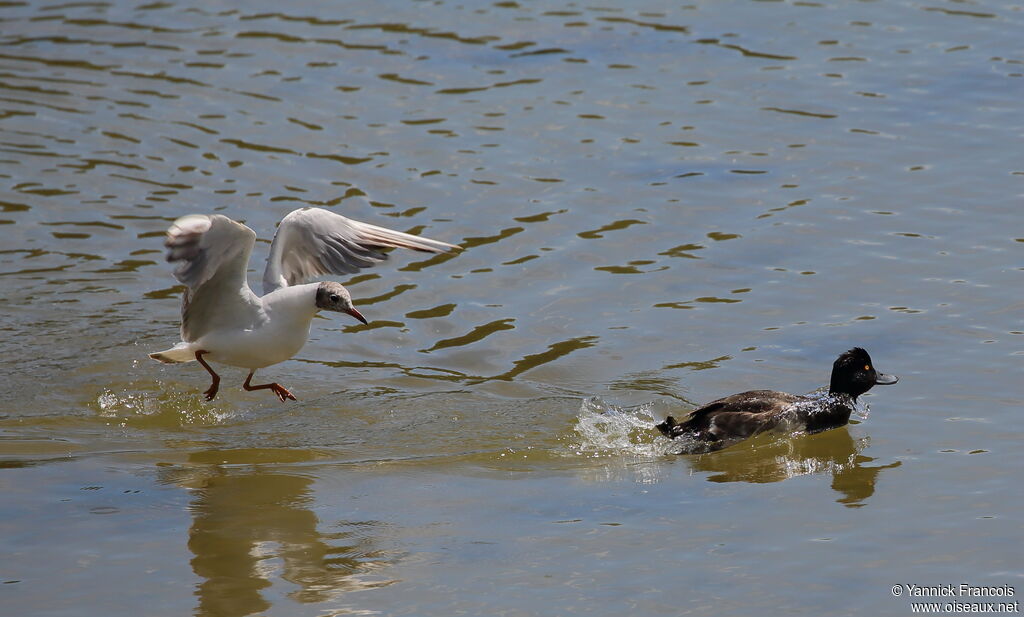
733, 418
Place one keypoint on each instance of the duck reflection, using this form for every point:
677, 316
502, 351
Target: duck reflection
770, 459
251, 528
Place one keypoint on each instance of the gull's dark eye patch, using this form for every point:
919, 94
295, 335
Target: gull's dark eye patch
334, 297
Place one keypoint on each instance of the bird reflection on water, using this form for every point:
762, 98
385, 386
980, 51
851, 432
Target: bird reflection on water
768, 458
253, 530
605, 430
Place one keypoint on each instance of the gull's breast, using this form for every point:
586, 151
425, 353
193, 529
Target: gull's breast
257, 347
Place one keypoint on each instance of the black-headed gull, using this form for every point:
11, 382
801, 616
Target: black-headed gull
223, 321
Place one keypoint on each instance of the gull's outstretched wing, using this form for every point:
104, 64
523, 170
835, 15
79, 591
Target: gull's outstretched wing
214, 254
312, 242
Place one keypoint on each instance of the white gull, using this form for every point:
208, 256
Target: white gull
223, 321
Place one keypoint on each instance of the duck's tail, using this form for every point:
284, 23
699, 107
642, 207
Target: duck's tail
694, 441
182, 352
670, 428
674, 429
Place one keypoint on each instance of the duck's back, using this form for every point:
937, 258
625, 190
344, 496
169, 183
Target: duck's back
753, 401
737, 416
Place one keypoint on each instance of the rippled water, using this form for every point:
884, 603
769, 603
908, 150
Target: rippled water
659, 204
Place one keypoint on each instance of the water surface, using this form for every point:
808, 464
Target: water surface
659, 205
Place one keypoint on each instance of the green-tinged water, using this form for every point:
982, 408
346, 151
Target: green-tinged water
660, 204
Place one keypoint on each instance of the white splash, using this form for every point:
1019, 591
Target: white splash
605, 430
861, 409
114, 405
159, 405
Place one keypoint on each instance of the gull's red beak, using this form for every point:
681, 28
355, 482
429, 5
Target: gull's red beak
353, 312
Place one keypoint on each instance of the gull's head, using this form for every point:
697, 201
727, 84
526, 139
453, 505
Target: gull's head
332, 296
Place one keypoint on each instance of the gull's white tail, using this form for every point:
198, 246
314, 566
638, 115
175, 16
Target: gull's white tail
182, 352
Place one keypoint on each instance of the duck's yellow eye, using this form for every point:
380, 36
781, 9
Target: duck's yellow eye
867, 367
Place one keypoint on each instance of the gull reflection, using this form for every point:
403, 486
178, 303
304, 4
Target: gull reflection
253, 529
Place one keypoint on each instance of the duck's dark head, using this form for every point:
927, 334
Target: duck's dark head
332, 296
853, 373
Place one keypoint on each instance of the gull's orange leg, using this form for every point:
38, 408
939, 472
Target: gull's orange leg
212, 392
281, 392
